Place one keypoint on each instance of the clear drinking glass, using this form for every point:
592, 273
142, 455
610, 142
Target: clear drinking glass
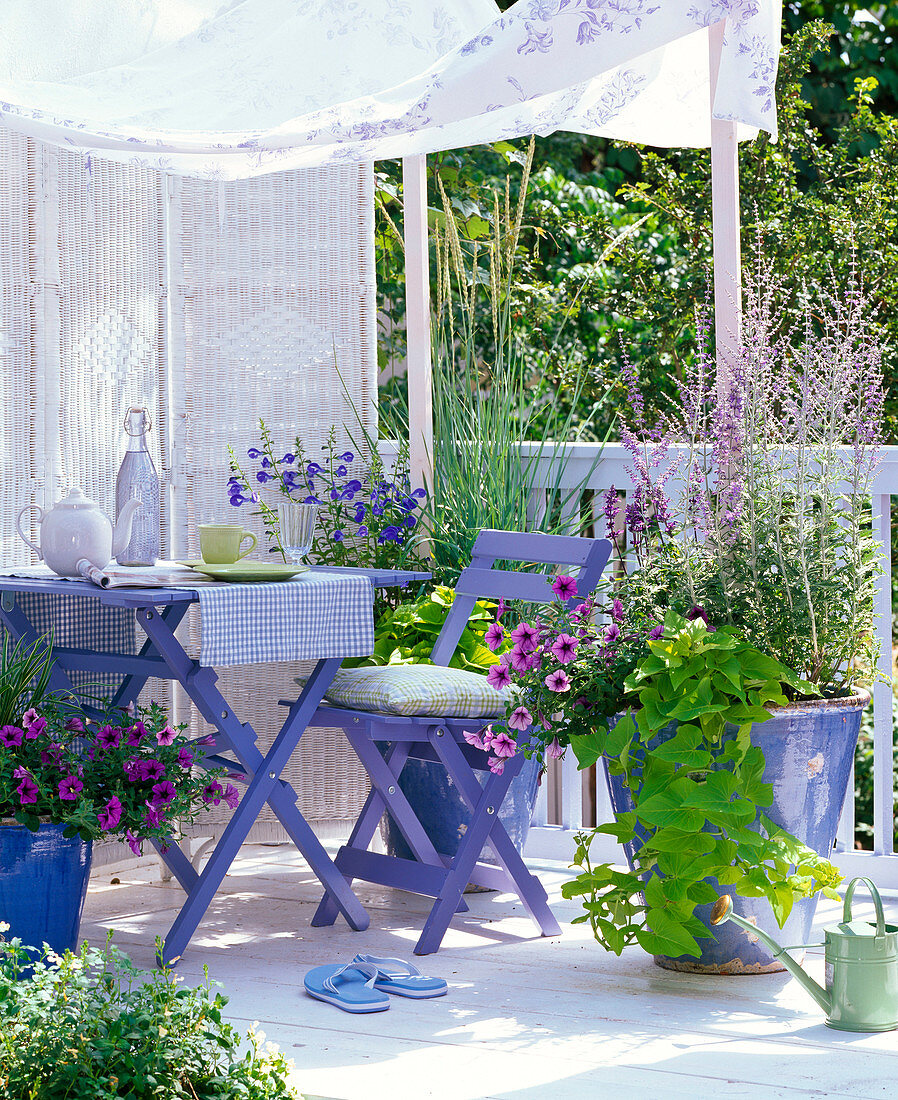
297, 528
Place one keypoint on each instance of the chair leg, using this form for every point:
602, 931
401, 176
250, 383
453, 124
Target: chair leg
529, 889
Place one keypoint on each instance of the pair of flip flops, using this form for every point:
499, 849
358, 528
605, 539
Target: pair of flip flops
363, 984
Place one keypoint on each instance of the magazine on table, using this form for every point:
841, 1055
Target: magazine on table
164, 574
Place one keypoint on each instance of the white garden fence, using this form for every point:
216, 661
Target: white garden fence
567, 797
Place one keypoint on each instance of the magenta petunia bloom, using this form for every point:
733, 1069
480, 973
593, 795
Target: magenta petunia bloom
27, 791
111, 814
557, 681
525, 637
133, 843
498, 677
11, 736
564, 648
152, 769
75, 725
519, 660
655, 634
475, 739
503, 745
231, 796
70, 787
185, 758
20, 773
155, 816
108, 737
617, 610
612, 634
136, 734
207, 740
30, 716
554, 749
520, 719
163, 793
494, 636
565, 588
166, 735
51, 754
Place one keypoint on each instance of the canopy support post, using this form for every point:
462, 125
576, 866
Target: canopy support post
725, 223
417, 314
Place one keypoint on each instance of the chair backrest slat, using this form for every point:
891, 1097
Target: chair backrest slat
588, 557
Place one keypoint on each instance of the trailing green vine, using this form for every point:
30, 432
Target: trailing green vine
698, 794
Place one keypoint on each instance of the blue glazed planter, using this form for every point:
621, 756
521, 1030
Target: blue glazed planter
43, 883
808, 749
440, 809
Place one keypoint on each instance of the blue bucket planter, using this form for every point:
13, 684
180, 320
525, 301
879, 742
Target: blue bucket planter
43, 883
808, 749
440, 809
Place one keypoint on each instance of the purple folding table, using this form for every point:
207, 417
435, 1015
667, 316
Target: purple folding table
158, 612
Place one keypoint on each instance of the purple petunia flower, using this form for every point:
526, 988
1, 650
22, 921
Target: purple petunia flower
163, 793
475, 739
564, 648
11, 736
526, 637
494, 636
558, 681
554, 749
30, 716
70, 787
136, 734
155, 815
185, 758
503, 745
498, 677
133, 843
699, 613
152, 769
213, 793
111, 814
27, 791
166, 735
565, 588
612, 634
496, 765
74, 725
108, 737
34, 729
520, 719
656, 633
231, 796
519, 660
617, 610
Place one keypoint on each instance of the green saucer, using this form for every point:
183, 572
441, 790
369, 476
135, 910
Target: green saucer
247, 572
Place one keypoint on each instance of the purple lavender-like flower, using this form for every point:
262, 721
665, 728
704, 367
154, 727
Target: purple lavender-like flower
611, 510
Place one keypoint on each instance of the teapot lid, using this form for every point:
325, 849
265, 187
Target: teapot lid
76, 499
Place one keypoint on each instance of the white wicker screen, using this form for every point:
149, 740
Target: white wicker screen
273, 316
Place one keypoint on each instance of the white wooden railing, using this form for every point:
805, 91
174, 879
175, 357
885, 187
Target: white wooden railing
569, 799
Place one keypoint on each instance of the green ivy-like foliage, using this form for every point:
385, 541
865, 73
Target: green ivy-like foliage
698, 795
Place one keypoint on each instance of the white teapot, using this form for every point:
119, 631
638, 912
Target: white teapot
75, 528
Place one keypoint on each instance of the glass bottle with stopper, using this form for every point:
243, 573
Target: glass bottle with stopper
137, 478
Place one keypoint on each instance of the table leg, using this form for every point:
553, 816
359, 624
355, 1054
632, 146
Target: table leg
264, 786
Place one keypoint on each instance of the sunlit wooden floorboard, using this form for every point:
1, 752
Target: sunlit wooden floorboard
525, 1017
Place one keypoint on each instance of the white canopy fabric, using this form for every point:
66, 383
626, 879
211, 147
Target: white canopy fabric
267, 85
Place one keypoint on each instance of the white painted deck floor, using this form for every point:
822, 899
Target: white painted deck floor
526, 1018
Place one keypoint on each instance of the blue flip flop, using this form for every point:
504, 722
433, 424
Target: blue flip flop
403, 979
347, 987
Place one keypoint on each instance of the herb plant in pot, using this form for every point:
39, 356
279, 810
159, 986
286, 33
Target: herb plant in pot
66, 781
724, 694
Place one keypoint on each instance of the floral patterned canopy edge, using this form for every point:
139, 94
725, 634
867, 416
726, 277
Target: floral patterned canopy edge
257, 86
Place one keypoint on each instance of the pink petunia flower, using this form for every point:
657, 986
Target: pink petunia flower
494, 636
475, 739
525, 637
11, 736
498, 677
564, 648
521, 718
166, 735
231, 796
111, 814
27, 791
565, 588
70, 787
34, 729
554, 749
503, 745
163, 793
30, 716
75, 725
496, 765
558, 681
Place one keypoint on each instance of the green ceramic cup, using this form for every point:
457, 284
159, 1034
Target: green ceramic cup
222, 543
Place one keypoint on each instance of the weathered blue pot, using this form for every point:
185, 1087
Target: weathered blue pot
43, 883
440, 809
808, 749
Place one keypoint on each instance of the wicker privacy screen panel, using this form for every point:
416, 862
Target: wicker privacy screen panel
211, 304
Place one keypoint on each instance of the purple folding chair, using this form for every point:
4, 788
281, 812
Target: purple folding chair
432, 873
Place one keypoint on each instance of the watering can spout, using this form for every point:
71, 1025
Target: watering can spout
723, 910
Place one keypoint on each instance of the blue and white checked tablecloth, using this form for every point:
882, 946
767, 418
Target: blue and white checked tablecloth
313, 616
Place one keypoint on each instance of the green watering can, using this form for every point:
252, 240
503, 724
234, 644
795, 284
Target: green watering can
861, 965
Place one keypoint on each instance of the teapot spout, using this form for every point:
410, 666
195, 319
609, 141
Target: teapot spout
723, 910
121, 535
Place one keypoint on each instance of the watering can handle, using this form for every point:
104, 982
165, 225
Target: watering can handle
877, 901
